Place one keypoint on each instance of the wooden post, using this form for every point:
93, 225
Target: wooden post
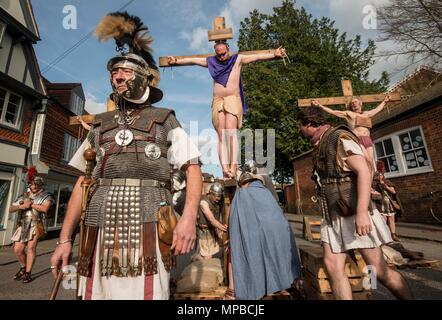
298, 194
220, 32
229, 192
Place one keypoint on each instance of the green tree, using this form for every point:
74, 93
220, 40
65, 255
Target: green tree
320, 57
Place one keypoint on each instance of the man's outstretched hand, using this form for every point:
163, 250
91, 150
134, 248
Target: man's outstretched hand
171, 60
280, 53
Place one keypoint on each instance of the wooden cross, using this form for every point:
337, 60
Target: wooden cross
219, 33
90, 118
348, 95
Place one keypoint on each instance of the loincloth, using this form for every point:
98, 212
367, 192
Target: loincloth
365, 141
207, 243
231, 104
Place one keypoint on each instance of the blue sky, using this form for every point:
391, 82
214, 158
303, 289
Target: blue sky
178, 27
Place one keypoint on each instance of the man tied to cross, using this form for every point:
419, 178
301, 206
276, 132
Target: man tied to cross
353, 117
228, 105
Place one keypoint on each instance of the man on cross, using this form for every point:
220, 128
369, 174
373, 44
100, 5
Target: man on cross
228, 103
358, 121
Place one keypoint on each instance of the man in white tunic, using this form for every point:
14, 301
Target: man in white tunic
127, 246
349, 219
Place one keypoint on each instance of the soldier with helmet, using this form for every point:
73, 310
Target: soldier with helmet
32, 208
131, 235
209, 226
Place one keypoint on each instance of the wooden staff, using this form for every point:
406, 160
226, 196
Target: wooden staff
89, 156
58, 280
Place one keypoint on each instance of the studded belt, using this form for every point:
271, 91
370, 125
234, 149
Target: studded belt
134, 183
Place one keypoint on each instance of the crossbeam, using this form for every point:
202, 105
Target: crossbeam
88, 118
367, 98
164, 63
348, 96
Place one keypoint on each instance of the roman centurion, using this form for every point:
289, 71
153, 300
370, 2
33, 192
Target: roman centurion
130, 236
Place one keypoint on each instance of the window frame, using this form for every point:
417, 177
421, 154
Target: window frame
3, 121
399, 153
73, 143
76, 104
5, 218
2, 31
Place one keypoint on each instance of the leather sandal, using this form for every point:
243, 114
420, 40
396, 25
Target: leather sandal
27, 277
19, 275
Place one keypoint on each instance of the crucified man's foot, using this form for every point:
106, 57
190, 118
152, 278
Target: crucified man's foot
232, 170
227, 174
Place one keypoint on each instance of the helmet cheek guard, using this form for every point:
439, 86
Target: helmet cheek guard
137, 89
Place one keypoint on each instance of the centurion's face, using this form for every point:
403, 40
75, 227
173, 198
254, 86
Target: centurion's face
119, 76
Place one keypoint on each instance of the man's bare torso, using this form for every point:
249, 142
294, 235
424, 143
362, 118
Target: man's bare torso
351, 122
232, 86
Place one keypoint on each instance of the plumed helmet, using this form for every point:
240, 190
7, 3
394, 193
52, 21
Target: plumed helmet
129, 31
216, 189
32, 177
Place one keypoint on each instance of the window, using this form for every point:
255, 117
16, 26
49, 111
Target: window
77, 104
2, 31
61, 193
4, 196
10, 108
403, 153
71, 145
385, 153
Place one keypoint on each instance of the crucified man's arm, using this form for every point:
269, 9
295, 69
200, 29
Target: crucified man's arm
337, 113
379, 108
278, 53
197, 61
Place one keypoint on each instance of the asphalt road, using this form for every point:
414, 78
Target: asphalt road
426, 283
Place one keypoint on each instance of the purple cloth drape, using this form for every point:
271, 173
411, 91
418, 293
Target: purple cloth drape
220, 72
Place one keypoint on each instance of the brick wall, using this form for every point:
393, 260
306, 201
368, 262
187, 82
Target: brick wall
56, 125
414, 189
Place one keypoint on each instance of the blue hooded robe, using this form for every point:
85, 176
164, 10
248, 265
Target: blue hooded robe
263, 249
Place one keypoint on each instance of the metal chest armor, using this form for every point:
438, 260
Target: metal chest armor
31, 217
335, 184
130, 162
132, 181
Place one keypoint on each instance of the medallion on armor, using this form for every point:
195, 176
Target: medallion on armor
153, 151
124, 137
